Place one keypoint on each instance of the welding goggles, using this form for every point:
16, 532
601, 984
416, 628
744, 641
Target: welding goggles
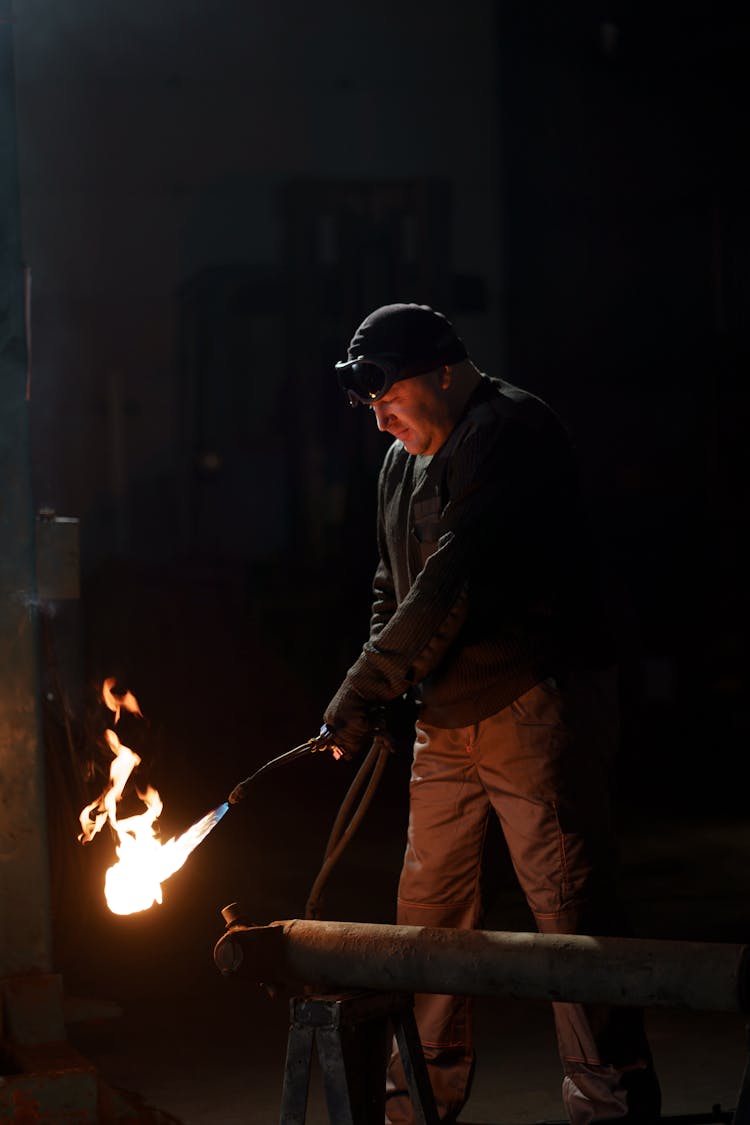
366, 380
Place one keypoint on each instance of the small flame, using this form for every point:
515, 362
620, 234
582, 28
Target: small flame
116, 703
143, 863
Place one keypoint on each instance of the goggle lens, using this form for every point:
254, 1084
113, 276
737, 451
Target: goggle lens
364, 382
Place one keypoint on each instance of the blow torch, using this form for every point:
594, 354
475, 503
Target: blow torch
322, 741
355, 803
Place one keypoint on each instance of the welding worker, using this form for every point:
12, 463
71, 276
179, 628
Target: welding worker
484, 611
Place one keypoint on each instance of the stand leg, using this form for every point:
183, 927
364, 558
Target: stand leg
415, 1069
296, 1074
335, 1078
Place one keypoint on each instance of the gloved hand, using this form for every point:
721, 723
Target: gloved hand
352, 721
325, 740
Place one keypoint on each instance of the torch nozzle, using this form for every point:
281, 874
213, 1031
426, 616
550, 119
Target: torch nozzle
240, 791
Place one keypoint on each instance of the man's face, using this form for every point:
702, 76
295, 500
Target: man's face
416, 412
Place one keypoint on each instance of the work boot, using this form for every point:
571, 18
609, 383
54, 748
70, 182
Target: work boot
643, 1096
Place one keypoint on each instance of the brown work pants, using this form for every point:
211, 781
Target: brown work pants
542, 765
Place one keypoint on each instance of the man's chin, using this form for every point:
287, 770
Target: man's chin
411, 443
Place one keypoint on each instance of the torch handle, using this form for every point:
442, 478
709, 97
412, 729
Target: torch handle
240, 791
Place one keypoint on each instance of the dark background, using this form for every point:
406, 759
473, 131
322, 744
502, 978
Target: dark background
214, 195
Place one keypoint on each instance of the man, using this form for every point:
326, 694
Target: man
483, 609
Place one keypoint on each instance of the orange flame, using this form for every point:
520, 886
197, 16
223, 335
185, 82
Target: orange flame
143, 863
118, 702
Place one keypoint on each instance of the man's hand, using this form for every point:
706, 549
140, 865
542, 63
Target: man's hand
326, 740
352, 722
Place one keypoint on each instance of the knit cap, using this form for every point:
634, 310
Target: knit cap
414, 338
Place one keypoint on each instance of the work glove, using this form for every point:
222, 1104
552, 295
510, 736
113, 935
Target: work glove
352, 721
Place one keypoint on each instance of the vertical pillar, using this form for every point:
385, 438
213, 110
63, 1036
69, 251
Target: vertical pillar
24, 881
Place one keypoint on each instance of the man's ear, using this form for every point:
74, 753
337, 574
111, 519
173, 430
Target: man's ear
446, 377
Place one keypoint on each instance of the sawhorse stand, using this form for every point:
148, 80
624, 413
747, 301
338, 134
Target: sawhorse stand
351, 1035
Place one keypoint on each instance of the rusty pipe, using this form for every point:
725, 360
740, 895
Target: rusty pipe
701, 976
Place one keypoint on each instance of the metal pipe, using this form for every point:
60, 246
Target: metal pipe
331, 956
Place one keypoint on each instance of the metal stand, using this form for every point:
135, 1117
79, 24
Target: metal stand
351, 1034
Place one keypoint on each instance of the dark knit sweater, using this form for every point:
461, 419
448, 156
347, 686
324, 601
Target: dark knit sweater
483, 586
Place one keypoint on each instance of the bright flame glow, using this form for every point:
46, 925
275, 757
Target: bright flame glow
143, 863
134, 883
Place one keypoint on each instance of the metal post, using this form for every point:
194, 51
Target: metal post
43, 1077
24, 882
742, 1109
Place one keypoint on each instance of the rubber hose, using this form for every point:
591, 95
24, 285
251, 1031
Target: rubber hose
347, 822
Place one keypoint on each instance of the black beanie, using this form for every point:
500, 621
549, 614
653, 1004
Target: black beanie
415, 338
